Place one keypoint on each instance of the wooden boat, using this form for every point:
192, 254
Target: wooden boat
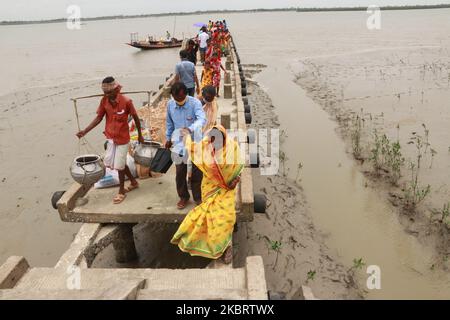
152, 45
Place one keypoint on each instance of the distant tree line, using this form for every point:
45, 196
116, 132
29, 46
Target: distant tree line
416, 7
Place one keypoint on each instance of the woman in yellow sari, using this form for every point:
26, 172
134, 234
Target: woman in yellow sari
207, 230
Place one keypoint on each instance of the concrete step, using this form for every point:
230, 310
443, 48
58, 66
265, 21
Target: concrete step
15, 294
224, 283
202, 294
157, 279
118, 291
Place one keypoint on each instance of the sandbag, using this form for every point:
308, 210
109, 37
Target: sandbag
111, 178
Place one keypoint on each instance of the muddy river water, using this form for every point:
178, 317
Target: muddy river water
40, 74
359, 223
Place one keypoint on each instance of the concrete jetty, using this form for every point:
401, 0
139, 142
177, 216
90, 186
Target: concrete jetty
105, 224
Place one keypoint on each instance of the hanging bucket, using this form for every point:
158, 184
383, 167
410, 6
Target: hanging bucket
145, 152
87, 169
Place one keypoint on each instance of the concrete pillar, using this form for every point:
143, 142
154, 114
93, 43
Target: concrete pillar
227, 78
227, 91
256, 279
124, 247
305, 293
228, 65
225, 120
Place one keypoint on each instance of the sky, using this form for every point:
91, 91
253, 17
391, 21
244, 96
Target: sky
52, 9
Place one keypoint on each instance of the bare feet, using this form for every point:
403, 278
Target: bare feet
228, 255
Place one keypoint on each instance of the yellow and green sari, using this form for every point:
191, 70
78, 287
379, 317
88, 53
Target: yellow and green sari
208, 228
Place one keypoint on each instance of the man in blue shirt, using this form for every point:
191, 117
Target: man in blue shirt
185, 72
185, 115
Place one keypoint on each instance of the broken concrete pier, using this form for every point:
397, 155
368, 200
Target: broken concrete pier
106, 225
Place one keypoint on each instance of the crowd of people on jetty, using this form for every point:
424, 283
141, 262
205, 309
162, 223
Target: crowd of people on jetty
213, 173
212, 42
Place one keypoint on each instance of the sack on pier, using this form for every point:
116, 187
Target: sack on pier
111, 178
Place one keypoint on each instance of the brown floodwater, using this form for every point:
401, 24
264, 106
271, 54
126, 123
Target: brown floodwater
358, 222
44, 65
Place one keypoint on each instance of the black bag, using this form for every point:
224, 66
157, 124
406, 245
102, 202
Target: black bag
162, 161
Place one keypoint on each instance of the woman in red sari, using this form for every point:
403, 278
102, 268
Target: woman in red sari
216, 65
209, 51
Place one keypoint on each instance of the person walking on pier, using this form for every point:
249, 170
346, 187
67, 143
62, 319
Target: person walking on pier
202, 38
185, 117
207, 75
185, 72
117, 108
209, 51
207, 230
208, 100
192, 51
217, 66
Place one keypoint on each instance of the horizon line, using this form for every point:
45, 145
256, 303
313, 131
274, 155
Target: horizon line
296, 9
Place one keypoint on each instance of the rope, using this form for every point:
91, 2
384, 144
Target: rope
82, 142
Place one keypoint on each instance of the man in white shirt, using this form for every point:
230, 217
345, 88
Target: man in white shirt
202, 38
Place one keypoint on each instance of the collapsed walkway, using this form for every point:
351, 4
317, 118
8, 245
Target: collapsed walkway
104, 224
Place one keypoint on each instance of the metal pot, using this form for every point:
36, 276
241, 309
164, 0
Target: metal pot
145, 152
87, 169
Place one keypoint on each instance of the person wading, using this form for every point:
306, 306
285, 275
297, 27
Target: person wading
185, 116
116, 107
